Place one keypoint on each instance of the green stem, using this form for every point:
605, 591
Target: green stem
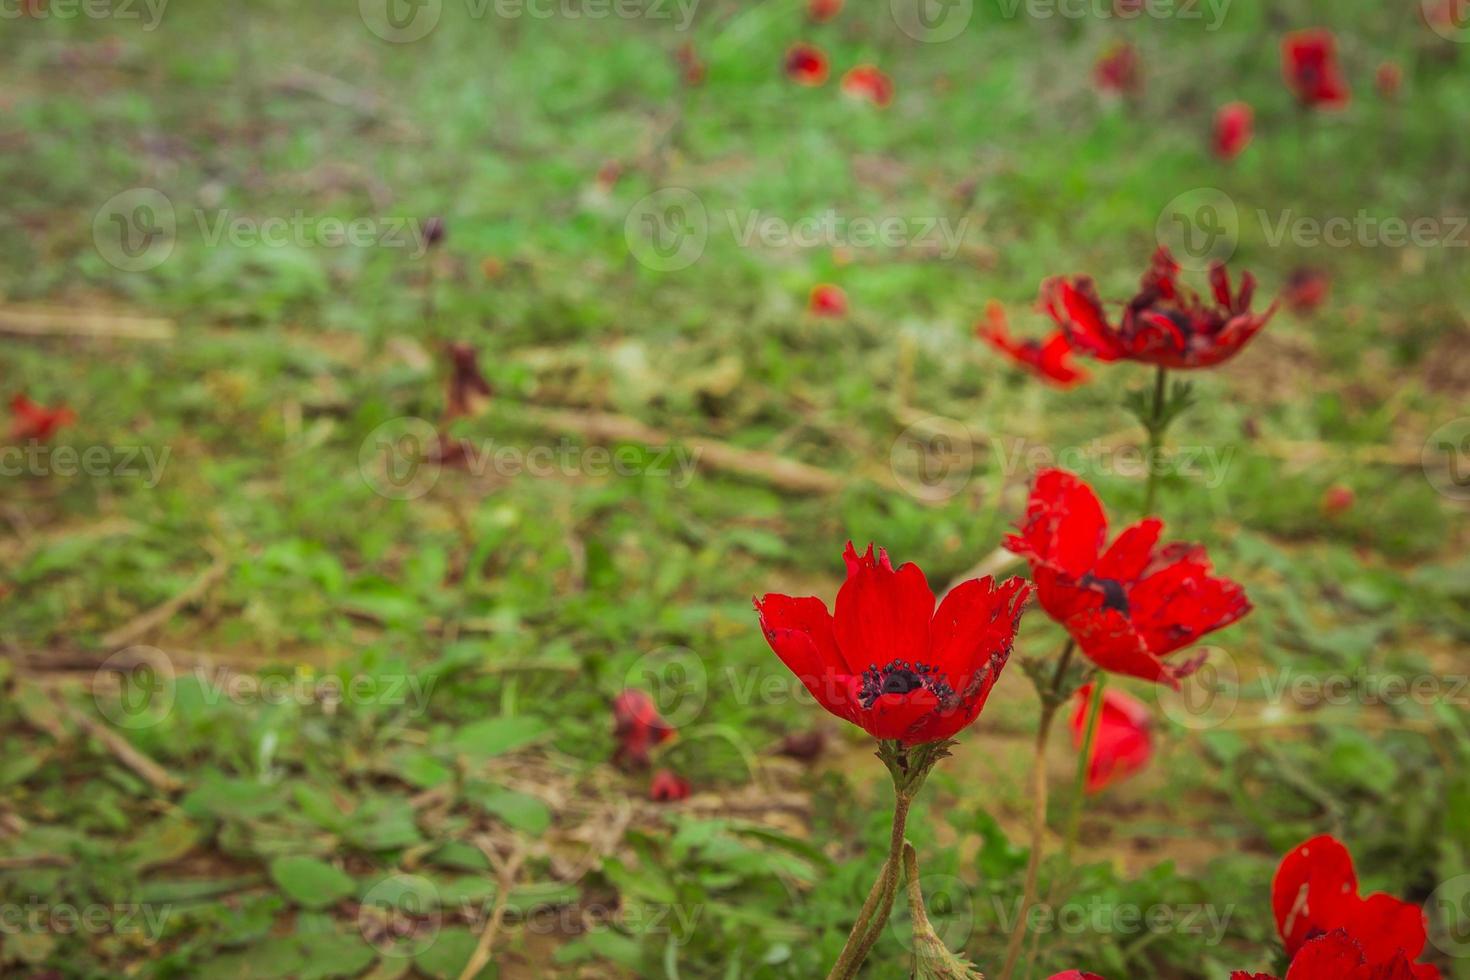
1079, 786
875, 911
1155, 426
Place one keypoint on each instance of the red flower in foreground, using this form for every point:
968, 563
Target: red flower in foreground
1128, 606
1049, 359
1389, 78
887, 660
867, 82
1338, 956
638, 727
29, 420
822, 11
1166, 323
1124, 742
1118, 70
806, 65
1315, 892
1305, 290
1234, 126
668, 787
1309, 61
827, 300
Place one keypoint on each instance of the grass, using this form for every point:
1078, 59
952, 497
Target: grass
364, 695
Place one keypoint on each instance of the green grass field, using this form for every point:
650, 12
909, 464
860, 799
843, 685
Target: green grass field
275, 706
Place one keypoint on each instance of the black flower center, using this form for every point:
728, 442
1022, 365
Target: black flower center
1115, 597
901, 677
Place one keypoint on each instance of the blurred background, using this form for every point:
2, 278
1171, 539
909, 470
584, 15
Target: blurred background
392, 385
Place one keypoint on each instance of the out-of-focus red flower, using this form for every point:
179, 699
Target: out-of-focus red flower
1075, 975
1309, 62
821, 11
29, 420
492, 268
1124, 741
1337, 499
1118, 70
1338, 956
608, 175
1049, 359
638, 727
887, 660
433, 231
1389, 79
668, 787
1166, 323
1234, 126
467, 391
1315, 892
1305, 290
1131, 605
806, 65
804, 746
867, 82
691, 69
827, 300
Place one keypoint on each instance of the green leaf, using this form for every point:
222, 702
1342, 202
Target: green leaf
311, 883
520, 811
497, 736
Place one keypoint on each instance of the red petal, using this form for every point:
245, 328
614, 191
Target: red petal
1130, 553
882, 614
1314, 887
800, 633
1107, 639
1123, 743
1065, 525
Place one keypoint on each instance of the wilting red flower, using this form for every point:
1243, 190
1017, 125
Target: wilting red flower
827, 300
1166, 323
1118, 70
691, 69
806, 65
467, 390
868, 82
638, 727
822, 11
1389, 78
1315, 893
1124, 740
1128, 606
1337, 499
887, 660
29, 420
668, 787
1234, 126
1049, 359
1309, 61
1305, 290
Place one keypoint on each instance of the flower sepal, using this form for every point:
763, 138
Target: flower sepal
1140, 402
1053, 689
910, 764
932, 959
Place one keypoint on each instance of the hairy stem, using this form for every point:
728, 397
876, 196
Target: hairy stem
875, 911
1155, 440
1079, 788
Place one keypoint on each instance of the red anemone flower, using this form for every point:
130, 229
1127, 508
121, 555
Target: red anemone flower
1128, 606
1337, 499
1234, 126
1118, 70
1309, 61
886, 659
1315, 892
867, 82
1338, 956
638, 727
821, 11
1166, 323
1305, 290
806, 65
1389, 78
827, 300
1124, 742
29, 420
668, 787
1049, 359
